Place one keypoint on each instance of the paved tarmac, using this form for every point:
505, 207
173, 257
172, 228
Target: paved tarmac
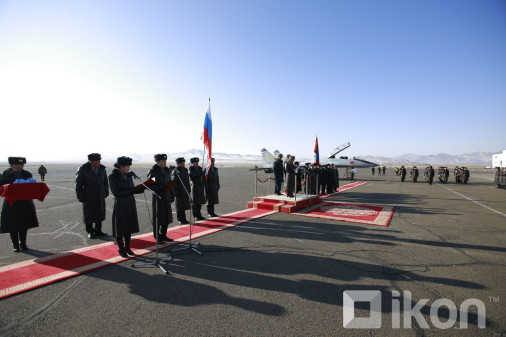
281, 275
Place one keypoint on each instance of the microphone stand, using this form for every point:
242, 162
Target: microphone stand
191, 246
157, 260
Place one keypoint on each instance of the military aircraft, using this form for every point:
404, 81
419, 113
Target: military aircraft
268, 160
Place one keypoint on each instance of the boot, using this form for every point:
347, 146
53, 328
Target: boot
127, 245
163, 234
22, 240
197, 213
121, 247
181, 217
98, 229
210, 211
15, 242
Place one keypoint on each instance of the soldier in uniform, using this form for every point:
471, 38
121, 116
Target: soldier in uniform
464, 175
403, 173
503, 178
181, 191
92, 188
124, 214
290, 177
414, 174
17, 218
498, 177
456, 174
212, 185
431, 175
277, 169
198, 189
298, 176
162, 210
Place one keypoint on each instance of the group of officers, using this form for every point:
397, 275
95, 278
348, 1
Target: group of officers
500, 177
188, 188
310, 178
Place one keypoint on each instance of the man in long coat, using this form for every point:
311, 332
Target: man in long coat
162, 210
290, 177
17, 218
92, 187
212, 185
403, 173
181, 191
277, 169
198, 189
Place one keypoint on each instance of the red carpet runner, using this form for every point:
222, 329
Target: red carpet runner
26, 275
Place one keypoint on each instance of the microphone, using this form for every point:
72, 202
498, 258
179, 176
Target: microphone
135, 175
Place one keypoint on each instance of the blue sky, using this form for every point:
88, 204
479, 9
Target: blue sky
124, 77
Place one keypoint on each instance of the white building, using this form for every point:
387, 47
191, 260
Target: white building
499, 160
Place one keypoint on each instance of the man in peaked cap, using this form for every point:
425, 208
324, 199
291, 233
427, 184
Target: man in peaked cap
278, 170
162, 210
198, 188
181, 191
92, 187
17, 218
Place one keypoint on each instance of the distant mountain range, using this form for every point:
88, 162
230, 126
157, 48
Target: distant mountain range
474, 159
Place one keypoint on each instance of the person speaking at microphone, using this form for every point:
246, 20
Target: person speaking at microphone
124, 214
162, 210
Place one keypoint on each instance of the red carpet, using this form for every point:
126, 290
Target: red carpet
26, 275
340, 211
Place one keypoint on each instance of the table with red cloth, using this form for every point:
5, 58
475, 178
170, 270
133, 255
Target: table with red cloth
25, 191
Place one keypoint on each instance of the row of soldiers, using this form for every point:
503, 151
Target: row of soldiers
500, 177
461, 175
188, 188
310, 178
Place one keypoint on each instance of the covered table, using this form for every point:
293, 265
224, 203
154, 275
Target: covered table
27, 191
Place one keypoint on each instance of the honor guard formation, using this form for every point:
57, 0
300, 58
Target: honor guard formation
188, 188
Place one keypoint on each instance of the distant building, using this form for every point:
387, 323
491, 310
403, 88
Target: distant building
499, 160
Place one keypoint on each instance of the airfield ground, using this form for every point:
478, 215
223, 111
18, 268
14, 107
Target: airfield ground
281, 275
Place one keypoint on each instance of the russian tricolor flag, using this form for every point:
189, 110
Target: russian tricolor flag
207, 136
316, 152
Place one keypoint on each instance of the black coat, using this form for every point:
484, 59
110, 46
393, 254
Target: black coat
212, 185
21, 215
277, 169
182, 200
92, 189
290, 177
162, 210
124, 214
197, 184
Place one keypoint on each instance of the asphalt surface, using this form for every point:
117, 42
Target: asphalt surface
281, 275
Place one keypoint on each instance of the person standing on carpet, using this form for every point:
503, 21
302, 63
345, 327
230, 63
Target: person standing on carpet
277, 169
92, 188
21, 215
124, 214
181, 191
290, 177
198, 190
162, 210
212, 185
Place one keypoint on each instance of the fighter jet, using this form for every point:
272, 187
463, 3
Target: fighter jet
268, 160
